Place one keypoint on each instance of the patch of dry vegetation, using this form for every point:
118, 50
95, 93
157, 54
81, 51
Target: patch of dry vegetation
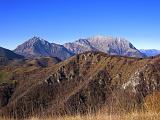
133, 116
152, 102
84, 84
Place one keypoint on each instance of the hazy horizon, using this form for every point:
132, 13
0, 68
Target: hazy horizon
61, 21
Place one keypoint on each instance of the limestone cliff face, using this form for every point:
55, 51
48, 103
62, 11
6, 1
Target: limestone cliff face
110, 45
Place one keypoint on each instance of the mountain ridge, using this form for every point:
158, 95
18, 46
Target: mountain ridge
7, 55
150, 52
110, 45
37, 47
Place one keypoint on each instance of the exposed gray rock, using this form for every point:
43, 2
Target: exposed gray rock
80, 46
37, 47
110, 45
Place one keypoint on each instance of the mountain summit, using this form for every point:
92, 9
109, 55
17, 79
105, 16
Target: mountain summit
110, 45
37, 47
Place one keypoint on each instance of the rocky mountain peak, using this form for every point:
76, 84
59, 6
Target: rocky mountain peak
36, 40
100, 37
38, 47
108, 40
109, 45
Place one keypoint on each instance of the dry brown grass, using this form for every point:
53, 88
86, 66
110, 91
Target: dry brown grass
152, 103
133, 116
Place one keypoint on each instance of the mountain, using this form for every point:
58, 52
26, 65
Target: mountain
80, 46
8, 54
37, 47
110, 45
85, 83
150, 52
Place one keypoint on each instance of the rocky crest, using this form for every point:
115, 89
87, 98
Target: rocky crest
37, 47
110, 45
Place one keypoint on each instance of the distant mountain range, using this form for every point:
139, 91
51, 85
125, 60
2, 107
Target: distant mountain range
109, 45
150, 52
37, 47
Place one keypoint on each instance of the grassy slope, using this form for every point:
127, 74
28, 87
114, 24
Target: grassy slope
3, 76
134, 116
115, 69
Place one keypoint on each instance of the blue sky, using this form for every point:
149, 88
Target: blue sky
63, 21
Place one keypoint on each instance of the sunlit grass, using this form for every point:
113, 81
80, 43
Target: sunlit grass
133, 116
